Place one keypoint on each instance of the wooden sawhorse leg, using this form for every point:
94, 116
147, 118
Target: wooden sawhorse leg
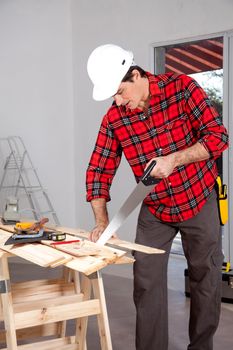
94, 282
7, 304
103, 323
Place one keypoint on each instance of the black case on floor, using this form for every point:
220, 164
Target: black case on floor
227, 286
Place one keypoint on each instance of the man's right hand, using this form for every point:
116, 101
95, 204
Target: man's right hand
101, 218
97, 232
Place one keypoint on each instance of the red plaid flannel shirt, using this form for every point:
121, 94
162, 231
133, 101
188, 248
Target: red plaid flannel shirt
180, 114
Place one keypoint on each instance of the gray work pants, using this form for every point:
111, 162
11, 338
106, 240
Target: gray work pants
201, 240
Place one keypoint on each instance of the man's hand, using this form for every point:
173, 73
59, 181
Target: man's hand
97, 232
164, 166
101, 218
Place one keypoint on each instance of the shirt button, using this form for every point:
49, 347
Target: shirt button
169, 183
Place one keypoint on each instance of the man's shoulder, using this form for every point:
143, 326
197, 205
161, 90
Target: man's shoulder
114, 113
170, 77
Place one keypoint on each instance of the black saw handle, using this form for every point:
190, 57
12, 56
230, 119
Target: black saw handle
146, 178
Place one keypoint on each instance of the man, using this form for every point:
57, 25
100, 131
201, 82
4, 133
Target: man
168, 118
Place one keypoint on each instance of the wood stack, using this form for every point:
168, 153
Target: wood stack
40, 308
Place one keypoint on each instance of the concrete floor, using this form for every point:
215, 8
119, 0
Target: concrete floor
118, 290
122, 321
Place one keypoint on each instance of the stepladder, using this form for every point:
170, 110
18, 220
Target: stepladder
36, 309
20, 181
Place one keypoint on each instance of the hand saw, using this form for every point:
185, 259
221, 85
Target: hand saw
144, 187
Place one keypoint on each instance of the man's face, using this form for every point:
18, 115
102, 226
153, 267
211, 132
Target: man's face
132, 94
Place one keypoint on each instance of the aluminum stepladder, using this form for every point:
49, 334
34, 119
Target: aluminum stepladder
20, 179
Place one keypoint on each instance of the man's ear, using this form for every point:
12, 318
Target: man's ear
136, 74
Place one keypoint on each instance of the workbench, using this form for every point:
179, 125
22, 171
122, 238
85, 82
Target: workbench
40, 308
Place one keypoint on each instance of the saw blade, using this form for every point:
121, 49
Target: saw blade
136, 197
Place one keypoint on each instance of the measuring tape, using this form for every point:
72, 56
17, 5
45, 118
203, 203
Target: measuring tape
57, 236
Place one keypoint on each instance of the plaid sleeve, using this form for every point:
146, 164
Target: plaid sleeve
103, 164
211, 132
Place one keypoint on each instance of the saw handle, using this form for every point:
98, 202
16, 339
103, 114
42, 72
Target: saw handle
146, 178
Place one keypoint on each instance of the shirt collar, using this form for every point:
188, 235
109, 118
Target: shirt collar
154, 87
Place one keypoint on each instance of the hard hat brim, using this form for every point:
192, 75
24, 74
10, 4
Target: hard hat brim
104, 92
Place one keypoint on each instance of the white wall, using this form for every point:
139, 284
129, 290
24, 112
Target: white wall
36, 91
135, 25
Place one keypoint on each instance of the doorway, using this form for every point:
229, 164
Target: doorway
203, 61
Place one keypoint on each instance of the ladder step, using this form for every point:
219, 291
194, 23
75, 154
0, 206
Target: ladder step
47, 212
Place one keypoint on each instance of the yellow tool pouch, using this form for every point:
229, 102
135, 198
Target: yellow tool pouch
222, 201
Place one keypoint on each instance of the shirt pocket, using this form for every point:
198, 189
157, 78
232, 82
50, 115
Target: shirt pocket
177, 122
176, 134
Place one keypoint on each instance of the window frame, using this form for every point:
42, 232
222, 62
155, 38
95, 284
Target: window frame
227, 230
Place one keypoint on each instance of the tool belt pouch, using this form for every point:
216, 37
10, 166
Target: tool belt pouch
222, 201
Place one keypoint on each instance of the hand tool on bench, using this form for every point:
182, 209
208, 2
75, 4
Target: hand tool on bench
24, 227
144, 187
28, 232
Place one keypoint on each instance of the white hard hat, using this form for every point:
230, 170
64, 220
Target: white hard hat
106, 67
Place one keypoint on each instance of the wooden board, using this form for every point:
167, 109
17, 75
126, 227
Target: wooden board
113, 241
77, 232
36, 253
78, 249
98, 257
44, 255
67, 343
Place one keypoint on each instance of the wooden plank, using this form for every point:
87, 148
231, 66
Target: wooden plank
89, 264
77, 249
134, 246
77, 232
53, 344
56, 313
40, 289
86, 264
46, 346
124, 260
33, 332
36, 253
85, 248
36, 283
27, 305
7, 228
113, 241
42, 292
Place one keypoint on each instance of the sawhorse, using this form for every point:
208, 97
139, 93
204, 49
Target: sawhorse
41, 308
